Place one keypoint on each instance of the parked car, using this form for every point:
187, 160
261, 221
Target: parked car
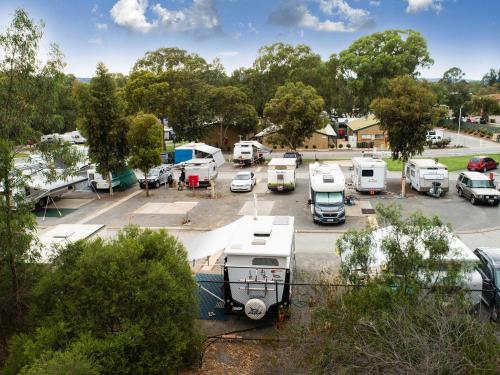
489, 268
243, 181
294, 154
478, 188
157, 176
481, 163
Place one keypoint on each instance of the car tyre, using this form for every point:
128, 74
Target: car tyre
157, 184
473, 200
142, 186
485, 170
460, 193
170, 179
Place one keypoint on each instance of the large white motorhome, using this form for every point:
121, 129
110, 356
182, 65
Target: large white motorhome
281, 174
369, 174
202, 170
248, 153
422, 173
326, 193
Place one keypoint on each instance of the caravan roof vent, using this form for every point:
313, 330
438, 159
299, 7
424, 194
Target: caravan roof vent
259, 241
328, 178
262, 232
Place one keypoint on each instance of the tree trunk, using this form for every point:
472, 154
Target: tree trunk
147, 183
110, 182
403, 181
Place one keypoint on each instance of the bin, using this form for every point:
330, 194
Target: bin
193, 181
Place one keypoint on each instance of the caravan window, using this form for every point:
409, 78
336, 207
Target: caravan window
367, 173
328, 198
273, 262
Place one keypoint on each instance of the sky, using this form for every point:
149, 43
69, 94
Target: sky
462, 33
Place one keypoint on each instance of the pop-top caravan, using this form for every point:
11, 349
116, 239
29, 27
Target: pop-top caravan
199, 172
422, 173
198, 151
369, 174
326, 193
259, 262
248, 152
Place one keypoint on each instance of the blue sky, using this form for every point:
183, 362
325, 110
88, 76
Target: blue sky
463, 33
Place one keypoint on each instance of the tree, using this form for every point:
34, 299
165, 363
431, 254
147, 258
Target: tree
147, 92
127, 303
297, 110
61, 363
144, 138
405, 113
104, 124
486, 105
490, 78
171, 59
371, 61
456, 89
230, 108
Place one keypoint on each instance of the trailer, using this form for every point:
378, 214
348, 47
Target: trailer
369, 174
198, 151
40, 190
249, 153
200, 172
423, 173
121, 179
259, 263
327, 193
281, 174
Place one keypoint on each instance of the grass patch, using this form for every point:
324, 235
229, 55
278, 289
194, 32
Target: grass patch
21, 155
454, 163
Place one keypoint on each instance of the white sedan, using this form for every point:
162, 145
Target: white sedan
243, 181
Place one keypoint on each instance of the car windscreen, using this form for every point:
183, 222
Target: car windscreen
482, 184
154, 173
328, 198
290, 156
242, 177
475, 160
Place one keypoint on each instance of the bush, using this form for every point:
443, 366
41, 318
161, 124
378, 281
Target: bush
129, 303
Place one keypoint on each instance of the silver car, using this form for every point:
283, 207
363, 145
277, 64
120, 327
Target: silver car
243, 181
477, 188
157, 176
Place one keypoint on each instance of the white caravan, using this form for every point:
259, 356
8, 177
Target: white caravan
39, 190
200, 171
422, 173
435, 136
326, 193
281, 174
198, 151
259, 262
369, 174
248, 152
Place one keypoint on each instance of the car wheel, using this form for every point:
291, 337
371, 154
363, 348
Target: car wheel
251, 187
142, 186
157, 184
473, 200
460, 193
170, 179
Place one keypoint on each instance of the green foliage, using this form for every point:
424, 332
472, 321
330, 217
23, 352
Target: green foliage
147, 92
456, 90
297, 109
485, 105
144, 138
405, 113
105, 126
371, 61
230, 108
170, 59
62, 363
129, 304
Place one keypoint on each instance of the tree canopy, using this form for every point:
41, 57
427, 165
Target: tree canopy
297, 109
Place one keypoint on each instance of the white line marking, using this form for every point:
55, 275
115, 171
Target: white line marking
106, 209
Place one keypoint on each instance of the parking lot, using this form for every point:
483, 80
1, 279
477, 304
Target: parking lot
185, 213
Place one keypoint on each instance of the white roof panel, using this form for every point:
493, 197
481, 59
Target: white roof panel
427, 163
282, 161
326, 177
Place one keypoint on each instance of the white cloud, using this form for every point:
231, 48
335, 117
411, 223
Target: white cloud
252, 28
201, 15
374, 3
94, 8
95, 41
296, 14
228, 53
101, 26
415, 6
131, 14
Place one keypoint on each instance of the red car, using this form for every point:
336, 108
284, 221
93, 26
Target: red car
481, 164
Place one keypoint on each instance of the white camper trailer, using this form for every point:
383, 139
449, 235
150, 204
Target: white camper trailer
281, 174
248, 153
198, 151
369, 174
200, 172
326, 193
259, 262
422, 173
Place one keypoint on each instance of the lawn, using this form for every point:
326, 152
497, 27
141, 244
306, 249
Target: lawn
454, 163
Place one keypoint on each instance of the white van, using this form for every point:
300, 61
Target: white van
434, 135
369, 174
326, 193
421, 173
281, 174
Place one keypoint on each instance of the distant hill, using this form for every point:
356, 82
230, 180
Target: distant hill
83, 79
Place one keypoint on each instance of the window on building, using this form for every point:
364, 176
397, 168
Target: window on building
379, 136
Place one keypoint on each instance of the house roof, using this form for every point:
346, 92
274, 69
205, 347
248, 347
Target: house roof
363, 122
327, 130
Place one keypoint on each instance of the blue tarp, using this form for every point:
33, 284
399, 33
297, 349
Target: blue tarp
211, 308
182, 155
